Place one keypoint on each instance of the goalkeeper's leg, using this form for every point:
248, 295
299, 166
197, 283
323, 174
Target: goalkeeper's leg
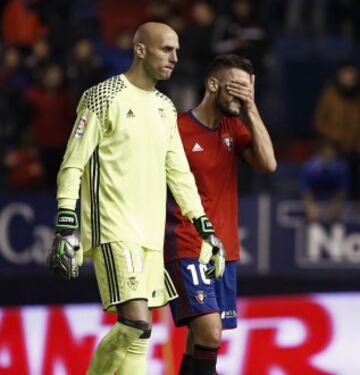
131, 329
136, 354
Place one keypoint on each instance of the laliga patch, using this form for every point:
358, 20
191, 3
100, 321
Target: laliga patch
80, 127
200, 296
132, 283
228, 142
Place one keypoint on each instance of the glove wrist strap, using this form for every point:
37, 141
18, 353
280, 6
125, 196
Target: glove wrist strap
66, 220
203, 226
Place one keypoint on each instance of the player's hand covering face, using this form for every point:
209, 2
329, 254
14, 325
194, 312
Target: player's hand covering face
236, 92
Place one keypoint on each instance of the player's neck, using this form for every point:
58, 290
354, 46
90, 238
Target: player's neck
139, 79
207, 115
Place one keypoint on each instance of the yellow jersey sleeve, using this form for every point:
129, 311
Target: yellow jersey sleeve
86, 135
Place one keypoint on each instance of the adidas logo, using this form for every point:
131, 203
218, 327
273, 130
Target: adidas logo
130, 114
197, 148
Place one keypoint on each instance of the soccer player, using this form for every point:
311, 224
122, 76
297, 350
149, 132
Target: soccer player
215, 139
124, 149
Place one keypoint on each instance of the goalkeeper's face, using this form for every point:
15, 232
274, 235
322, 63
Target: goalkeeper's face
161, 55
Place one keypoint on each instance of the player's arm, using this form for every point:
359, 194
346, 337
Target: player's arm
66, 254
260, 154
182, 185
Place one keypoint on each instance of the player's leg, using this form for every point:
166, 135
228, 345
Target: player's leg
196, 302
226, 295
134, 360
157, 295
120, 277
206, 338
187, 361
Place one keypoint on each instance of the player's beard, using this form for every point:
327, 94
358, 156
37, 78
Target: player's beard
223, 105
224, 109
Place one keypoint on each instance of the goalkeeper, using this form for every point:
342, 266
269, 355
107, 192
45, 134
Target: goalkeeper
214, 138
124, 148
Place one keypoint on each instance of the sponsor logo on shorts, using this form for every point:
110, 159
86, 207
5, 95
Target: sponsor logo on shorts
157, 293
132, 283
200, 296
228, 314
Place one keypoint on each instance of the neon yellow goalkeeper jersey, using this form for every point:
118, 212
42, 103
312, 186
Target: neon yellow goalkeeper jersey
124, 148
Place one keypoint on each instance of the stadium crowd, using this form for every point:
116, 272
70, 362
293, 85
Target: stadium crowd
304, 53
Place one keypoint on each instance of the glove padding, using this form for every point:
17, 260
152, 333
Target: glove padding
65, 256
212, 250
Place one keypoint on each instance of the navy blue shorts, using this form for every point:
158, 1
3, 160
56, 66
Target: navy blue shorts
199, 295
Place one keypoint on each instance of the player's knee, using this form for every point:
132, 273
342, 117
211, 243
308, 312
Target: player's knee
138, 347
210, 337
142, 325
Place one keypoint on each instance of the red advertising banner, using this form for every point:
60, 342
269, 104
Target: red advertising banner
294, 335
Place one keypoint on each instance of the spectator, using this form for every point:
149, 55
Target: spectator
23, 168
324, 184
159, 10
12, 72
243, 35
51, 119
55, 14
39, 58
337, 118
84, 68
306, 16
186, 85
13, 110
118, 56
21, 23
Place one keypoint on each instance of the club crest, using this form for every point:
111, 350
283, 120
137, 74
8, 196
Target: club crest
132, 283
200, 296
161, 112
228, 142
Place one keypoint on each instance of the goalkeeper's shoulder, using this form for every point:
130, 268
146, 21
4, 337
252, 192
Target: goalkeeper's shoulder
167, 103
99, 97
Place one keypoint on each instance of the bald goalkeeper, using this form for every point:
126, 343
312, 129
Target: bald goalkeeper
123, 150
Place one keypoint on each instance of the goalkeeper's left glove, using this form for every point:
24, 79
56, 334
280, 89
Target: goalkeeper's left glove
66, 255
211, 248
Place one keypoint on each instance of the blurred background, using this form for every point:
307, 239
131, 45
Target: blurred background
299, 274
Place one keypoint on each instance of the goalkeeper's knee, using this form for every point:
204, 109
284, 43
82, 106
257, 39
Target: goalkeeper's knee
143, 326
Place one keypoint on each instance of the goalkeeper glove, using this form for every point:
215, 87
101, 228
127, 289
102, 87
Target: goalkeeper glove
211, 248
66, 254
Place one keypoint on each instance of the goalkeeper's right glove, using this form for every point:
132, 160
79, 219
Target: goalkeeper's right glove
65, 255
211, 248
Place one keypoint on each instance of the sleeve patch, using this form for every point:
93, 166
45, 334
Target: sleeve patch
80, 127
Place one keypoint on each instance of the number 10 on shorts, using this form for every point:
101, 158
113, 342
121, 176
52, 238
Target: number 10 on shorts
197, 270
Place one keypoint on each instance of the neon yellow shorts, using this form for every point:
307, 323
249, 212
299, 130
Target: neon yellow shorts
127, 272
